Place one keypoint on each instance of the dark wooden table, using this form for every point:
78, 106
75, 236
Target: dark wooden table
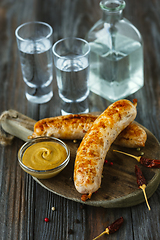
23, 202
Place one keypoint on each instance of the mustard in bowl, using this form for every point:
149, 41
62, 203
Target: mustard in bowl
44, 157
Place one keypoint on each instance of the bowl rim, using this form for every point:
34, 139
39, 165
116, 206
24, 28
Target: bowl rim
34, 141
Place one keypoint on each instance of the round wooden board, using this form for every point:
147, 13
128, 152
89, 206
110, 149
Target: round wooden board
119, 185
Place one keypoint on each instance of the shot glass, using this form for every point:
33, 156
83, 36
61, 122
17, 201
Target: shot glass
34, 41
71, 60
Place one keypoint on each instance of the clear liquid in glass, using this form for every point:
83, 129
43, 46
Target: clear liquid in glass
72, 80
36, 64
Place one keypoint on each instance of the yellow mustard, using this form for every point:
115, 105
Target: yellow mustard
44, 155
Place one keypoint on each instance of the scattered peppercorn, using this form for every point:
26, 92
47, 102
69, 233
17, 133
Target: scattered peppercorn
53, 208
46, 219
110, 163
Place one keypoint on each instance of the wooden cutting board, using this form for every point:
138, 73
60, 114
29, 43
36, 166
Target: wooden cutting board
119, 186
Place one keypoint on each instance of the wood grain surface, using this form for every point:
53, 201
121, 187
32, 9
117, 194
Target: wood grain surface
23, 202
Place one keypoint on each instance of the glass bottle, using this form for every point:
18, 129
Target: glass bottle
116, 59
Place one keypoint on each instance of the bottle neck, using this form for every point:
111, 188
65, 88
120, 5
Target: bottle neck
112, 10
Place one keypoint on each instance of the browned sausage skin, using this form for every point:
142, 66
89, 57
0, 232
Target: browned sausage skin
74, 126
96, 143
133, 136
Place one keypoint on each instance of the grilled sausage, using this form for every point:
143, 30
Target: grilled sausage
75, 126
72, 126
132, 136
96, 143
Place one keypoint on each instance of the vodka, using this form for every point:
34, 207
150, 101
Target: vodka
36, 65
115, 75
116, 59
72, 79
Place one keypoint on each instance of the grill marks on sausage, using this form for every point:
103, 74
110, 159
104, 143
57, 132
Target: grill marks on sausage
97, 141
133, 136
64, 126
85, 171
75, 126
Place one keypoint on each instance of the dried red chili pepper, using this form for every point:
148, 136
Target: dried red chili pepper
151, 163
140, 178
141, 181
115, 226
147, 162
112, 228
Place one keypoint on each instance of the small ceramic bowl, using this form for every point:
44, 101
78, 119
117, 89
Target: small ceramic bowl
43, 174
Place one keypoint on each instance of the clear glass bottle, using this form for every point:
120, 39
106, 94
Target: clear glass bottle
116, 60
